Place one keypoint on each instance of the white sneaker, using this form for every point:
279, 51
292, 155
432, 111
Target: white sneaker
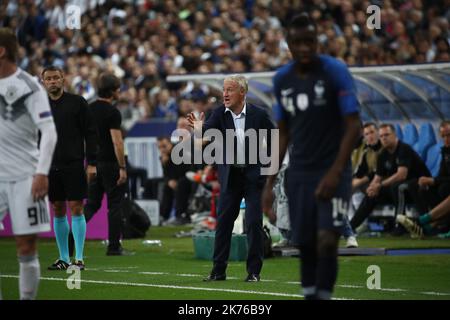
351, 242
282, 243
413, 228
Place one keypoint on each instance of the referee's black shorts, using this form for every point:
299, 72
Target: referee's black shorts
67, 183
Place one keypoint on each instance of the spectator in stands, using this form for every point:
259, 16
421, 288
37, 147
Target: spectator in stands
166, 106
396, 164
176, 186
129, 113
142, 42
442, 50
83, 84
185, 106
201, 103
34, 27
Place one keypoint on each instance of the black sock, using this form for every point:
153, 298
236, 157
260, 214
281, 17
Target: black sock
71, 244
327, 268
308, 271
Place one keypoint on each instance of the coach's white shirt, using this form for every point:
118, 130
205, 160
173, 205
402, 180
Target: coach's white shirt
239, 125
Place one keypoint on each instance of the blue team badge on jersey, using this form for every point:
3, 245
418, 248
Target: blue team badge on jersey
319, 92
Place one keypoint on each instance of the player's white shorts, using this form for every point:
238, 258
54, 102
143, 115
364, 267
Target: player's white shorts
27, 216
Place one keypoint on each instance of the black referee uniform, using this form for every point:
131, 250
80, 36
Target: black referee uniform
77, 141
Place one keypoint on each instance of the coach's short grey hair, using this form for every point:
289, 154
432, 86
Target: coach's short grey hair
239, 79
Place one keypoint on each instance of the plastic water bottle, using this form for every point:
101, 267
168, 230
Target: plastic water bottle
106, 242
149, 243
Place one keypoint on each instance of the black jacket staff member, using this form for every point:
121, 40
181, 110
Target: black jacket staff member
111, 169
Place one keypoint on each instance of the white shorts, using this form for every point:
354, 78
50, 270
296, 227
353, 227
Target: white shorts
27, 216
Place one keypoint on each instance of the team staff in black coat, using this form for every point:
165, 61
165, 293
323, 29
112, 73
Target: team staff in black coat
428, 191
77, 139
398, 164
238, 180
111, 165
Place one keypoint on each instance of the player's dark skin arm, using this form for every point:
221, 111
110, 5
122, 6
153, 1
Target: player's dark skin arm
267, 195
327, 186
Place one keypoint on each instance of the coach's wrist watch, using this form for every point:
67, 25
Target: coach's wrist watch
123, 167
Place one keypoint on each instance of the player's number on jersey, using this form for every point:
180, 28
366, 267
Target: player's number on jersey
38, 214
340, 208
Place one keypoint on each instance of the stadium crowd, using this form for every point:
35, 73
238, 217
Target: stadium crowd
144, 41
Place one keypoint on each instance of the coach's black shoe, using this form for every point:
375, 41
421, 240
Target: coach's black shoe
79, 264
119, 252
215, 277
59, 265
253, 278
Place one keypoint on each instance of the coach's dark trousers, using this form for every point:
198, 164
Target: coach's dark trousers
106, 181
239, 187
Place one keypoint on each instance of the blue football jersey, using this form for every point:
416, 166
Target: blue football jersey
313, 108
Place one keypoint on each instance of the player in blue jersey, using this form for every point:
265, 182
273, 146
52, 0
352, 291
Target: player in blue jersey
318, 117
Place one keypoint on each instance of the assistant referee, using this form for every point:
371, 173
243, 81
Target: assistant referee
77, 140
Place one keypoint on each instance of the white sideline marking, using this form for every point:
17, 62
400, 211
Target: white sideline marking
133, 284
392, 289
279, 294
289, 282
154, 273
435, 293
347, 286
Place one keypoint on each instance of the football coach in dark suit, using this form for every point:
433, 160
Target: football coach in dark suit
241, 177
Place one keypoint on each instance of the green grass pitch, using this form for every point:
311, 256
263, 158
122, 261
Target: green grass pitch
171, 272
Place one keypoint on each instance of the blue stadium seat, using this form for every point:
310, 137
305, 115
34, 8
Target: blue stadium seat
426, 140
434, 158
410, 134
398, 131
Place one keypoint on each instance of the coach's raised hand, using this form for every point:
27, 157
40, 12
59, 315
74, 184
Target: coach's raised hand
192, 118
